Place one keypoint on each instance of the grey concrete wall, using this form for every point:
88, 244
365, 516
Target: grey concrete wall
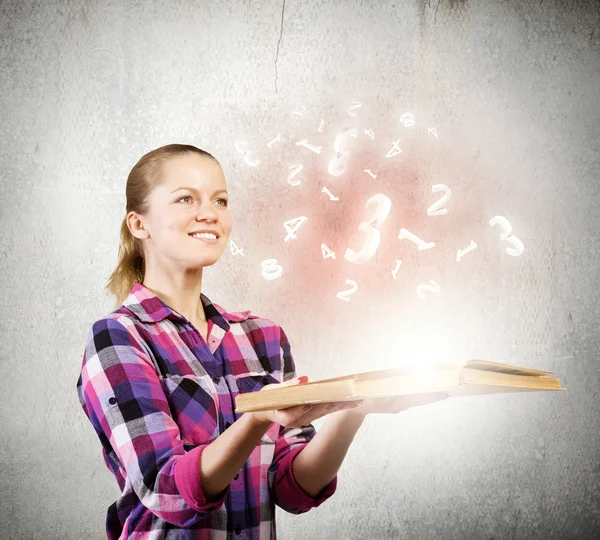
512, 90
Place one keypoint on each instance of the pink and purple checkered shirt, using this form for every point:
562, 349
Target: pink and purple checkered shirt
157, 394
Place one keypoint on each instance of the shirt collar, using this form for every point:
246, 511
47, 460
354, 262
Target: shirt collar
148, 307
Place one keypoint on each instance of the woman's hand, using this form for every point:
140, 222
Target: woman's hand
393, 405
301, 415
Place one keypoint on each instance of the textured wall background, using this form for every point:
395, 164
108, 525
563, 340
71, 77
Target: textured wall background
512, 90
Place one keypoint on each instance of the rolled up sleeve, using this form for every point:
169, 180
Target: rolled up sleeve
286, 491
121, 394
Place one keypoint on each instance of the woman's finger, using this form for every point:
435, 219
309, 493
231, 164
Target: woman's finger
291, 382
323, 409
289, 416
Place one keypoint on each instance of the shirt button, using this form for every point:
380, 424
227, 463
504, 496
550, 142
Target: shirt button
112, 400
236, 476
216, 380
265, 381
238, 529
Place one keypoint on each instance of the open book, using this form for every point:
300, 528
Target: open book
474, 377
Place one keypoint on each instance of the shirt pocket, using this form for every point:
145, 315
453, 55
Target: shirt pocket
254, 383
192, 406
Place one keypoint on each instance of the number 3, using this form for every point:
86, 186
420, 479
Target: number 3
517, 246
373, 236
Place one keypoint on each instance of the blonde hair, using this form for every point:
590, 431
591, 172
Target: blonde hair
143, 178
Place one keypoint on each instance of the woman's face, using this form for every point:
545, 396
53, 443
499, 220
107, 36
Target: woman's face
192, 197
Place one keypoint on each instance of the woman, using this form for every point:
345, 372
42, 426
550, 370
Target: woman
161, 372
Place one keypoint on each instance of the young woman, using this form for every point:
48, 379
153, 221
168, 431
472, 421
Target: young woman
161, 372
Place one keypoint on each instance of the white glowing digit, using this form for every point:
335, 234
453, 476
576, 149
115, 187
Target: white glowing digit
517, 246
408, 119
434, 209
326, 251
321, 126
394, 150
292, 225
249, 157
331, 196
370, 173
298, 113
270, 144
297, 168
395, 270
433, 131
234, 249
370, 133
413, 238
431, 286
343, 295
355, 105
337, 164
315, 149
462, 252
270, 269
383, 206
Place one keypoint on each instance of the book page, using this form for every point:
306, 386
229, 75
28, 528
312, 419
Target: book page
497, 367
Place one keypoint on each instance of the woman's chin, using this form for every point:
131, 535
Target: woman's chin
202, 262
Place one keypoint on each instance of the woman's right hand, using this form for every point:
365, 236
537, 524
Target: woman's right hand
300, 415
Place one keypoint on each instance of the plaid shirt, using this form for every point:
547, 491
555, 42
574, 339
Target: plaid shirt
157, 394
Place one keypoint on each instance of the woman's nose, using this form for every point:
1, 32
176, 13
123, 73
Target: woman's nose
207, 212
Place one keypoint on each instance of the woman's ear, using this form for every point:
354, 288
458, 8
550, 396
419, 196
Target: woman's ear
136, 226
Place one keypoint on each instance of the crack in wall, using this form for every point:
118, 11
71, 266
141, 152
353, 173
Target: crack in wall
278, 42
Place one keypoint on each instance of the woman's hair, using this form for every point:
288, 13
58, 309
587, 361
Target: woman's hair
143, 178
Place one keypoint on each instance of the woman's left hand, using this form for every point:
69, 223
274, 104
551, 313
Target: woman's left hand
392, 405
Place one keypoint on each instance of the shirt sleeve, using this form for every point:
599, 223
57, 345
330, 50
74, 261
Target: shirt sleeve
286, 492
121, 394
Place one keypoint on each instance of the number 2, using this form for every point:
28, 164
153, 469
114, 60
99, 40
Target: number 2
434, 209
343, 295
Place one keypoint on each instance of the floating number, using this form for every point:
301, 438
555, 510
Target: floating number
410, 236
296, 170
343, 295
320, 130
368, 171
408, 119
382, 209
337, 164
431, 286
395, 270
270, 144
370, 133
355, 105
304, 142
434, 209
270, 269
433, 131
462, 252
249, 156
331, 196
292, 225
298, 113
517, 246
326, 252
394, 150
234, 249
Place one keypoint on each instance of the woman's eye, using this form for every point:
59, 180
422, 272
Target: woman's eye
224, 202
